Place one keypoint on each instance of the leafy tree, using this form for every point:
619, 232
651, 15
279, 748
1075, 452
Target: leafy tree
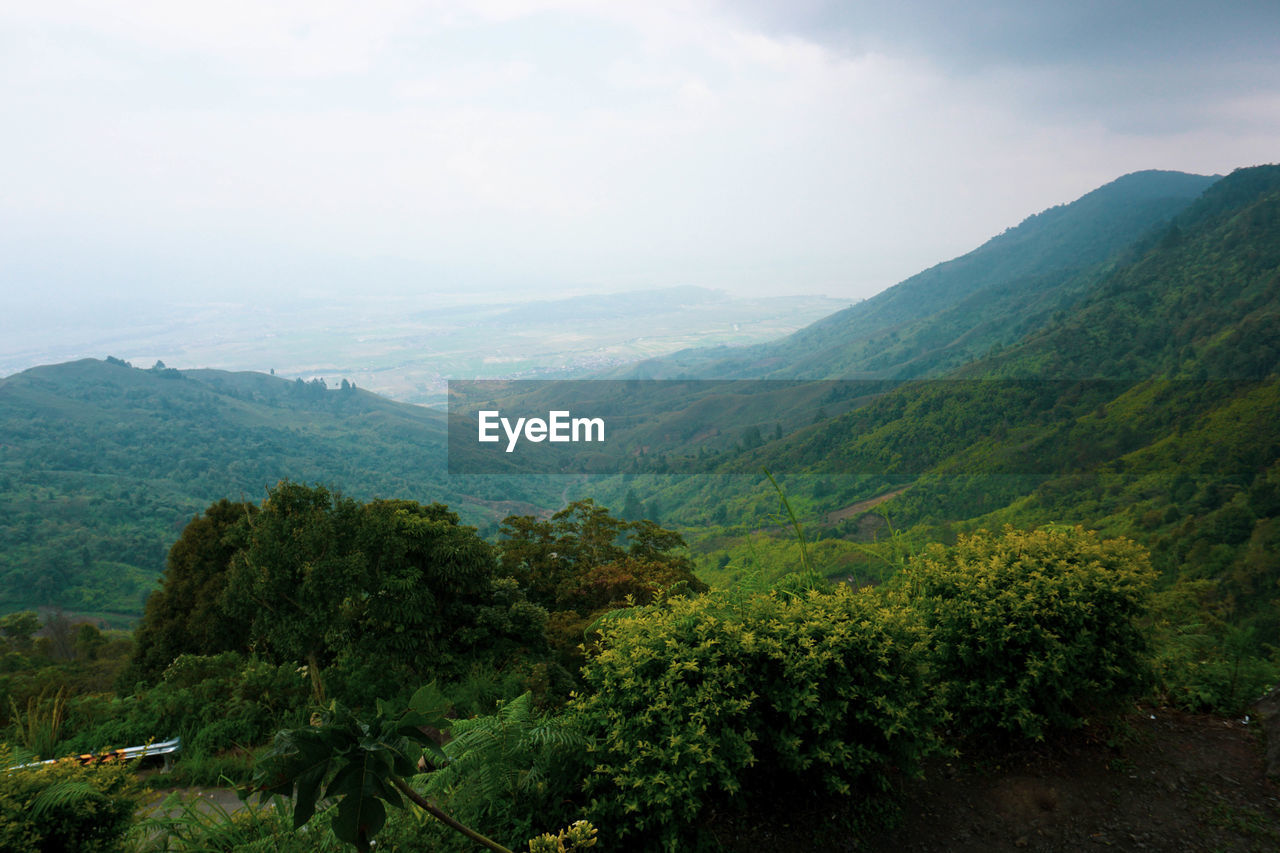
583, 562
186, 616
19, 628
431, 597
632, 507
299, 568
551, 558
391, 590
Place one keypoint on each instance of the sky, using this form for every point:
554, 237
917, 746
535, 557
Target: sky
248, 149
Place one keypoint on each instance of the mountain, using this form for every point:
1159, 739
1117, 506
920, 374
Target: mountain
956, 314
1132, 332
102, 464
1152, 410
959, 310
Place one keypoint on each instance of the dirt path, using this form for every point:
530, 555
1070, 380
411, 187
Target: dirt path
862, 506
207, 800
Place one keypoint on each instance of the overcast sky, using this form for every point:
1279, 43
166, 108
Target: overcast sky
185, 151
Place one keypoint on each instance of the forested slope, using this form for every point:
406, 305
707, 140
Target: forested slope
1152, 410
102, 464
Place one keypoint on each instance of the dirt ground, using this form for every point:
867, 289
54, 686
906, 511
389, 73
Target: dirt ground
206, 799
1160, 780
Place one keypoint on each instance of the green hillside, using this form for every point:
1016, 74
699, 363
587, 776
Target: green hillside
102, 464
1152, 410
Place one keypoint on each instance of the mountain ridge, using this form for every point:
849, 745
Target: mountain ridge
1032, 263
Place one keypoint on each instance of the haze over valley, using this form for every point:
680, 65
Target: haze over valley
407, 347
862, 425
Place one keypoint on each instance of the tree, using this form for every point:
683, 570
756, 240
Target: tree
186, 616
632, 508
292, 581
88, 641
59, 636
583, 562
431, 592
19, 628
389, 590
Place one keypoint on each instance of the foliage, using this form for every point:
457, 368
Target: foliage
1202, 661
391, 584
583, 562
1032, 631
27, 683
185, 615
510, 772
18, 629
104, 464
214, 702
359, 763
63, 806
714, 697
578, 836
807, 567
554, 559
40, 728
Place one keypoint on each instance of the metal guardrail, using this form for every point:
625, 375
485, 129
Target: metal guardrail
167, 749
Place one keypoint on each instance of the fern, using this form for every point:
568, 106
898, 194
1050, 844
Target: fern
66, 793
506, 769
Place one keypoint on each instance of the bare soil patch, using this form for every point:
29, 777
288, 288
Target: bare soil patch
1158, 780
862, 506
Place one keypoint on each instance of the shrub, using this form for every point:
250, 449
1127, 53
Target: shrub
1032, 631
64, 806
1202, 662
713, 697
509, 774
213, 702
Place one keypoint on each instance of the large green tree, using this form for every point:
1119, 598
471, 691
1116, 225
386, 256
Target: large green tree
432, 597
300, 563
387, 590
553, 558
185, 615
583, 562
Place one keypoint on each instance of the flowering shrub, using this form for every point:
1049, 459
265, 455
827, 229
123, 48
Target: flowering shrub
1031, 631
63, 806
712, 697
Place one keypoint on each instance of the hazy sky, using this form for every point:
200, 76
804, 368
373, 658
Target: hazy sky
183, 150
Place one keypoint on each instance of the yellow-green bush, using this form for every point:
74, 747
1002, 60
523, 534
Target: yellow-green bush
64, 806
1031, 631
712, 697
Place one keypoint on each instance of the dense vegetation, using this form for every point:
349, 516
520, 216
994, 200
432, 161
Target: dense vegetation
591, 666
1151, 410
696, 700
102, 465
